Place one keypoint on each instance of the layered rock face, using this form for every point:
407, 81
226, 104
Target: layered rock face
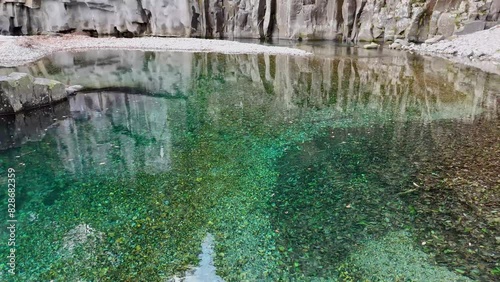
348, 20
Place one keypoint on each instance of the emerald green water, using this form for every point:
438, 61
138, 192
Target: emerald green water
303, 169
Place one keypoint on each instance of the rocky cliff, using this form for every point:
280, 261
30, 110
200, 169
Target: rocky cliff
348, 20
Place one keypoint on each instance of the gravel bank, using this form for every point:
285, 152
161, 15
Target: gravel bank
479, 49
21, 50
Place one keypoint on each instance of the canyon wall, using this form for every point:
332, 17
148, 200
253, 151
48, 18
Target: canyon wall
347, 20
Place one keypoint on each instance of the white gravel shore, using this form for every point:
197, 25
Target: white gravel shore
479, 44
16, 51
479, 49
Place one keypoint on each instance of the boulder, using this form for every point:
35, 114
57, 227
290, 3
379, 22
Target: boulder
372, 45
402, 42
50, 90
365, 21
494, 12
402, 25
365, 33
413, 31
70, 90
489, 25
433, 28
16, 89
470, 27
21, 91
395, 46
446, 24
434, 39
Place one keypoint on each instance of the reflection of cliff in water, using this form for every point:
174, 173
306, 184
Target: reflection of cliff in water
23, 127
398, 85
122, 133
339, 83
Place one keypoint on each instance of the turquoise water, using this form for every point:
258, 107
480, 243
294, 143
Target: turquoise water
303, 169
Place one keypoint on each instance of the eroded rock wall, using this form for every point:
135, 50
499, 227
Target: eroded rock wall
349, 20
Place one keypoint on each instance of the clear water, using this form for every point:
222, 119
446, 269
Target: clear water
337, 167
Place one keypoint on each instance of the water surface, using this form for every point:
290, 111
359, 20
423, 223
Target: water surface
337, 167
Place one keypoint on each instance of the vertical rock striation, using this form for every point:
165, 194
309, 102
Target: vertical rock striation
348, 20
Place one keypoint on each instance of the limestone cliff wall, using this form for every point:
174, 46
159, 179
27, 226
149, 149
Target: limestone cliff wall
349, 20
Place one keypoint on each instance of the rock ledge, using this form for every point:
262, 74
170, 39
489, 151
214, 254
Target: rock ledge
21, 91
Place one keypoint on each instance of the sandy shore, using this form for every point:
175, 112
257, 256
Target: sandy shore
15, 51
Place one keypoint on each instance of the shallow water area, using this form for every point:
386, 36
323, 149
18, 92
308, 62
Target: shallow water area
345, 166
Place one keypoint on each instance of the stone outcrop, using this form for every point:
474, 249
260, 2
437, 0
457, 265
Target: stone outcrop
348, 20
21, 91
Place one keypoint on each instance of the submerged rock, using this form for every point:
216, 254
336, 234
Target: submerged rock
21, 91
396, 255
